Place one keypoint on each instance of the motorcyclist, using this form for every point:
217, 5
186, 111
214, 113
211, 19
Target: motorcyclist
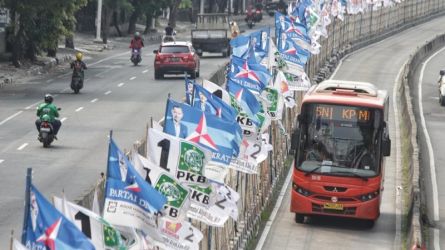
78, 67
249, 13
136, 41
169, 30
234, 29
50, 111
441, 79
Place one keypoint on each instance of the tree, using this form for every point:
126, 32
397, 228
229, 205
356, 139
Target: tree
112, 8
38, 24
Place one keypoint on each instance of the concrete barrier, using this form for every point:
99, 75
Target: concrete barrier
258, 192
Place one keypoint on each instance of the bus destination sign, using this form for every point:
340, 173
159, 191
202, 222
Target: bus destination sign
343, 113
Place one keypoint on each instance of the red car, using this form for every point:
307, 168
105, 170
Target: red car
176, 58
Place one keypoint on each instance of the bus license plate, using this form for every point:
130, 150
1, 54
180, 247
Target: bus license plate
335, 206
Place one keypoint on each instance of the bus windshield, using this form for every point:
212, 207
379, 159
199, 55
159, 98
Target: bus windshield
340, 140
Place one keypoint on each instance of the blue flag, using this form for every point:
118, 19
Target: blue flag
188, 90
220, 136
208, 102
249, 74
47, 228
123, 176
240, 46
260, 43
291, 51
247, 101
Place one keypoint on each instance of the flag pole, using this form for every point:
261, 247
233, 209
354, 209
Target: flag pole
11, 240
27, 198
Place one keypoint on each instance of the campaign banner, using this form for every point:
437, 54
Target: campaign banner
180, 235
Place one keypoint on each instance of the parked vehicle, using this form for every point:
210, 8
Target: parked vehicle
176, 58
136, 56
273, 6
212, 34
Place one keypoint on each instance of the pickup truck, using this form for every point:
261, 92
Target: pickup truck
211, 34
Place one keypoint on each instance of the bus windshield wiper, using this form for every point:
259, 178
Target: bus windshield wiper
322, 164
353, 174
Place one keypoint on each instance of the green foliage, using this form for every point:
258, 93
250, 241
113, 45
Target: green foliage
185, 4
42, 22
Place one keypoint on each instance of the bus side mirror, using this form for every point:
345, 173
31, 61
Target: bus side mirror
386, 145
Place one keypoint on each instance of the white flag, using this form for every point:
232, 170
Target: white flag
101, 233
183, 159
16, 245
166, 184
282, 84
180, 235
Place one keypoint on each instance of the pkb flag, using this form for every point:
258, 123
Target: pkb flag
219, 136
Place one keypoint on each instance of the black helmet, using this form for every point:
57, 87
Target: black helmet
49, 98
442, 72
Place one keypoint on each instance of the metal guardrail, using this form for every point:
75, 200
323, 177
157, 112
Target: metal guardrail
259, 191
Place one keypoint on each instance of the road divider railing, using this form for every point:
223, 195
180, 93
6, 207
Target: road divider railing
258, 192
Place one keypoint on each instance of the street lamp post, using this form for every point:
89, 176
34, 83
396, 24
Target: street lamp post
98, 20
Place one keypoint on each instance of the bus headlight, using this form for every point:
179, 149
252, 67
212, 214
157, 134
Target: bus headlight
369, 196
301, 190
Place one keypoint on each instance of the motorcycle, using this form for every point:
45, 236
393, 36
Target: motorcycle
442, 88
136, 56
46, 131
77, 78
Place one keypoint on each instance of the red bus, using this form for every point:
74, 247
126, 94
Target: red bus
340, 143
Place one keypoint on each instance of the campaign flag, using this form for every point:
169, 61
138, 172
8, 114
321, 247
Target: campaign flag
282, 85
185, 160
292, 53
208, 102
102, 234
240, 46
166, 183
246, 99
298, 80
249, 74
270, 60
299, 11
188, 90
274, 104
260, 43
219, 136
180, 235
47, 228
16, 245
136, 239
129, 199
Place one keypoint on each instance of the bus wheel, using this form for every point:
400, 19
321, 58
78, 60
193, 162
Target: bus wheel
299, 218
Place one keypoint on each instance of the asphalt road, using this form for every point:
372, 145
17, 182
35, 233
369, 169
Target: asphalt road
432, 143
379, 64
116, 96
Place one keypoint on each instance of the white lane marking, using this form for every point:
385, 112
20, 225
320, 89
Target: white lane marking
336, 69
32, 105
11, 117
63, 119
436, 239
430, 153
1, 161
145, 71
65, 90
132, 78
398, 236
94, 100
22, 146
79, 109
108, 92
275, 210
108, 58
49, 80
121, 84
